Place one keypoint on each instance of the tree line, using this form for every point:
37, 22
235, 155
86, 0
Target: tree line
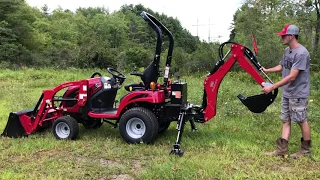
94, 37
264, 18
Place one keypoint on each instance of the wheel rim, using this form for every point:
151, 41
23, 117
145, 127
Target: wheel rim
62, 130
135, 128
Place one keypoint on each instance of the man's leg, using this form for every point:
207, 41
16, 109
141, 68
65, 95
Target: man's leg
286, 130
299, 115
282, 143
305, 130
286, 119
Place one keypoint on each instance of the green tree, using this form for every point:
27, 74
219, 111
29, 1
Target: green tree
264, 18
18, 18
9, 48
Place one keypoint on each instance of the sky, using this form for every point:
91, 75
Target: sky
209, 19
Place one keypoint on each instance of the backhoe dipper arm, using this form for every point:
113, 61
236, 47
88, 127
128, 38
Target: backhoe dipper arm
213, 80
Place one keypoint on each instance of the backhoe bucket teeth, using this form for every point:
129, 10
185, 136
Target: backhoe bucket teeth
14, 128
258, 103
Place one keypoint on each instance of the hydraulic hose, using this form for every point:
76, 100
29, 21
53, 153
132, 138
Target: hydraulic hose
248, 53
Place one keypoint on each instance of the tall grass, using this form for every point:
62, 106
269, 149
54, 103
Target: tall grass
230, 146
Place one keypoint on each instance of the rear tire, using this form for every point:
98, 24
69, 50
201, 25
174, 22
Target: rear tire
138, 125
65, 127
164, 126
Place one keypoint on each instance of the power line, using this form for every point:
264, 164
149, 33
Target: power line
209, 24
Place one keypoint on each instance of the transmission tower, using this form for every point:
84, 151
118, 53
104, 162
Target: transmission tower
209, 24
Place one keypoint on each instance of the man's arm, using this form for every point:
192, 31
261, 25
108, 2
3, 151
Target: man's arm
291, 77
274, 69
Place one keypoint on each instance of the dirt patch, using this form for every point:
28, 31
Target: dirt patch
281, 168
50, 153
285, 169
108, 162
136, 166
101, 162
118, 177
121, 177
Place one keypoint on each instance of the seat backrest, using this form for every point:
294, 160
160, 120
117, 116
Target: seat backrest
150, 74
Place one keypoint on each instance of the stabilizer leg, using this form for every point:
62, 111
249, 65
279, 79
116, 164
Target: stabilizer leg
193, 126
180, 126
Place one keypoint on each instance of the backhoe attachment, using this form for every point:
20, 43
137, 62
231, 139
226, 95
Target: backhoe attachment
257, 103
248, 62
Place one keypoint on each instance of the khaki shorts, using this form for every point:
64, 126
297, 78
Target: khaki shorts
294, 110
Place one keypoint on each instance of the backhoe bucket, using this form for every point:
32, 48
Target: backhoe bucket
14, 128
258, 103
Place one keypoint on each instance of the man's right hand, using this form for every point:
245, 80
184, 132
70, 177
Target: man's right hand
264, 70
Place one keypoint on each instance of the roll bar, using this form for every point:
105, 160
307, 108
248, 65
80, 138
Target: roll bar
157, 26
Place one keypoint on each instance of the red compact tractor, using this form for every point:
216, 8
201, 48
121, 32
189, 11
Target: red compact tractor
147, 109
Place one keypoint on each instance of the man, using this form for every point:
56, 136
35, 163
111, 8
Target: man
295, 83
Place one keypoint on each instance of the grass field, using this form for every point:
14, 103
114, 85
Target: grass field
230, 146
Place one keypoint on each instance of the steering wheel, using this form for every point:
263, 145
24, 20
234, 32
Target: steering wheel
94, 74
116, 74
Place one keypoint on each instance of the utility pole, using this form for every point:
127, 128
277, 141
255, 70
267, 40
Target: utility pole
197, 25
209, 31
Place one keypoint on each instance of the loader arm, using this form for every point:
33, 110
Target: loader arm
247, 61
27, 122
48, 104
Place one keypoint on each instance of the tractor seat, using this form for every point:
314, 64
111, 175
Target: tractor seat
150, 74
134, 86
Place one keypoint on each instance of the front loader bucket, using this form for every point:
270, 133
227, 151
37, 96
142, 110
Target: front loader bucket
258, 103
14, 128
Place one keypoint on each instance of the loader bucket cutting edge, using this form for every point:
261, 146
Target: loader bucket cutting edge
14, 128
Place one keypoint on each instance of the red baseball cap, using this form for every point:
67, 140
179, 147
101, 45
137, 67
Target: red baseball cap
289, 29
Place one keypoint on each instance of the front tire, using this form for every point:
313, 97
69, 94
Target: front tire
138, 125
65, 127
